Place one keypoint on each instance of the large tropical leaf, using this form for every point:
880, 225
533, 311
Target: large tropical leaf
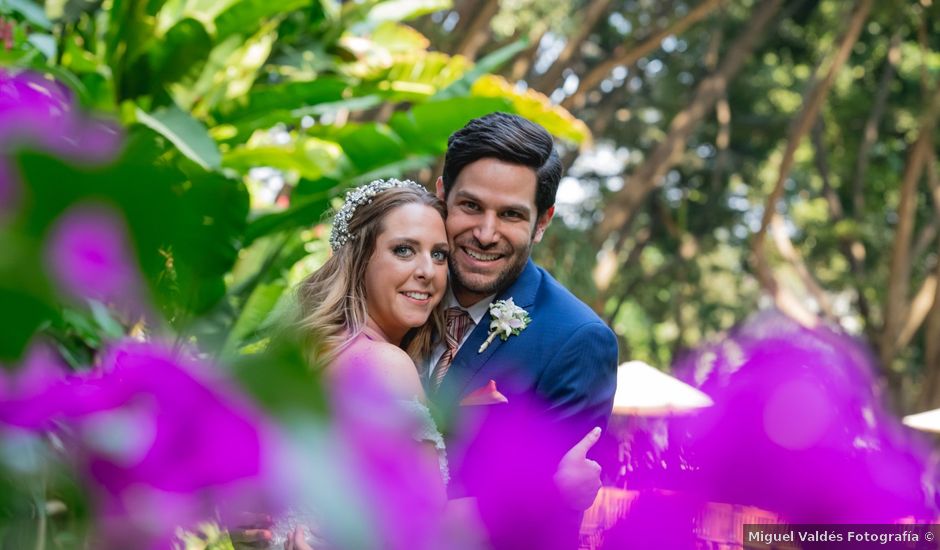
244, 17
186, 133
29, 10
308, 157
304, 211
186, 227
182, 51
488, 64
372, 145
256, 310
397, 10
426, 127
534, 106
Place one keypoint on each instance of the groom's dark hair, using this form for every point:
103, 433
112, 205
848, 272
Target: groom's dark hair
509, 138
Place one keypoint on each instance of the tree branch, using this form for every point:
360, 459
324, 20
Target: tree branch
478, 32
622, 205
801, 125
628, 57
593, 13
896, 303
870, 134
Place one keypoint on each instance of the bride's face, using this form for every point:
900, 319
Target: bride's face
407, 273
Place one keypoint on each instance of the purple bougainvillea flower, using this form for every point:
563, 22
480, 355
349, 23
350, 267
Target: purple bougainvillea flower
89, 257
798, 429
399, 480
163, 440
38, 113
40, 369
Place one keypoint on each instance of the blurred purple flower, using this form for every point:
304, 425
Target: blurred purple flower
798, 428
506, 457
399, 477
89, 257
163, 441
40, 369
36, 112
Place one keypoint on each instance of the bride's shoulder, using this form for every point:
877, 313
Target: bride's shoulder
389, 363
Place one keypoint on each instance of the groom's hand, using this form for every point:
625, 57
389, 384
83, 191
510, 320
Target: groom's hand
578, 478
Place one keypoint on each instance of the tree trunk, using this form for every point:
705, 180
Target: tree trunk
801, 125
896, 306
622, 205
478, 31
522, 65
551, 79
625, 57
930, 393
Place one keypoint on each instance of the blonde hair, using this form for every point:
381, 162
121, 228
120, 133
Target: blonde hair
333, 302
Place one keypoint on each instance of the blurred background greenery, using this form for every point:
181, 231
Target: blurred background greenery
721, 156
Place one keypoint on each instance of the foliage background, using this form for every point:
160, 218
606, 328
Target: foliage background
721, 156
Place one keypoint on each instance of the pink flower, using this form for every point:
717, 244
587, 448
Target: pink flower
38, 113
163, 441
89, 257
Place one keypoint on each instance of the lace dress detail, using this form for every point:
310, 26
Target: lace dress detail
427, 431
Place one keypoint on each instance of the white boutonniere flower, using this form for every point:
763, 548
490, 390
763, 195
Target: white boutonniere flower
508, 319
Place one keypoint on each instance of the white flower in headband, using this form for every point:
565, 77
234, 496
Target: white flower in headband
355, 198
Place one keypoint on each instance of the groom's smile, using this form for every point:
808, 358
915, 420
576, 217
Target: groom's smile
491, 225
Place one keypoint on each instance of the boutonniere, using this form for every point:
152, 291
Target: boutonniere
508, 319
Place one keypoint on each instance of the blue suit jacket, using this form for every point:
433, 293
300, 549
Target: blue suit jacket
566, 356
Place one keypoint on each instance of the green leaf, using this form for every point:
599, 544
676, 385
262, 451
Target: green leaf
109, 326
398, 10
488, 64
186, 133
311, 158
29, 10
186, 228
284, 96
302, 213
427, 127
45, 43
182, 51
23, 314
370, 146
255, 311
395, 169
244, 17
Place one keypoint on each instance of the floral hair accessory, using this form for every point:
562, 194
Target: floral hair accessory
355, 198
508, 319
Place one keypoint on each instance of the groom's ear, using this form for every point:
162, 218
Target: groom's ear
541, 224
440, 188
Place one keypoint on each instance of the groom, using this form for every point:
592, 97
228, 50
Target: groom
501, 173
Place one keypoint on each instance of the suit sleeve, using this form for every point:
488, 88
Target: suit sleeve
580, 381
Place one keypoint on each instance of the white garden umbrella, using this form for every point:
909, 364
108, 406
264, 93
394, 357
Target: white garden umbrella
928, 421
643, 390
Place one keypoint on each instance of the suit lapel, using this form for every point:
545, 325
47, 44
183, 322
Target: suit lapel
469, 360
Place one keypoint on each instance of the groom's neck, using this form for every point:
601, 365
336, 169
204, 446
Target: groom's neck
468, 299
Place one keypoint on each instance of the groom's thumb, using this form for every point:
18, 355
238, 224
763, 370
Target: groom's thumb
582, 447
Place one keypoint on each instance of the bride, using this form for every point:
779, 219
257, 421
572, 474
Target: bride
387, 277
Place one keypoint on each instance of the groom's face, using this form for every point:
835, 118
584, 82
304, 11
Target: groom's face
492, 223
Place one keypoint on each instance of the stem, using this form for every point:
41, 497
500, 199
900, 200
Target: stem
488, 341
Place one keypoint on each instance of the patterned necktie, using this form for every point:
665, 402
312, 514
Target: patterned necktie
458, 320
